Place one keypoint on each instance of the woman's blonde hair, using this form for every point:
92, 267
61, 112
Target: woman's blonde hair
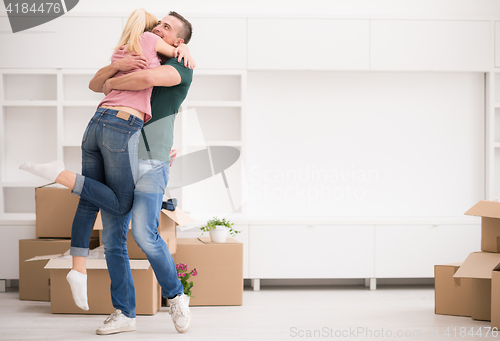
139, 22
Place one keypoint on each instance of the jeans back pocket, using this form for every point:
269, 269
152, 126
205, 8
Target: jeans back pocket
114, 139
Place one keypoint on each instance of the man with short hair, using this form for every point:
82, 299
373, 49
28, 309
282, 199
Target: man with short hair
171, 83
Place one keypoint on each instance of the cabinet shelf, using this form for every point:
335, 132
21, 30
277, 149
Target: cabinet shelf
236, 104
72, 144
24, 184
214, 143
19, 218
29, 71
29, 103
78, 72
80, 104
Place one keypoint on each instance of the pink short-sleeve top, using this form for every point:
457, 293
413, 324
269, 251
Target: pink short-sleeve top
140, 99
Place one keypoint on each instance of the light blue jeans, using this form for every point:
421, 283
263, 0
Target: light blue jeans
145, 214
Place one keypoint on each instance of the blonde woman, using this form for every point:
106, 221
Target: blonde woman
109, 147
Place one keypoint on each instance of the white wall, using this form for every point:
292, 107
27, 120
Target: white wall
360, 144
405, 8
325, 7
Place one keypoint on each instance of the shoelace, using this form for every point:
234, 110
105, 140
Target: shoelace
111, 317
174, 308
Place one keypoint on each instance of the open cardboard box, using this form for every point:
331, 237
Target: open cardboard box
489, 211
147, 289
167, 229
452, 295
34, 280
479, 267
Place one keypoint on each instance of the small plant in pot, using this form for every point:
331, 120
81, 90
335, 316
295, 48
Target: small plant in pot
218, 229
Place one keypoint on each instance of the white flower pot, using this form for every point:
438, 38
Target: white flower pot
187, 300
219, 234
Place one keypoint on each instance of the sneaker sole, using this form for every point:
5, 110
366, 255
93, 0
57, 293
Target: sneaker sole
185, 329
114, 331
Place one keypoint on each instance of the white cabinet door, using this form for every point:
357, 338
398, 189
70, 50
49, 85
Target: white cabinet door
66, 42
412, 251
497, 43
311, 252
308, 44
219, 43
430, 45
9, 248
243, 238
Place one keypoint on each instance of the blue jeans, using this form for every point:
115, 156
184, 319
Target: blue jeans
109, 170
145, 214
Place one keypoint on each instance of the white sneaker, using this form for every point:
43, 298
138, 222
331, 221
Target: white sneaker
117, 323
181, 315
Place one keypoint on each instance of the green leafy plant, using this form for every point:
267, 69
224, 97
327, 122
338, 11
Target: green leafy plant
183, 274
212, 223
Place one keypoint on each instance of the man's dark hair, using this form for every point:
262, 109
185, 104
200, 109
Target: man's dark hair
187, 30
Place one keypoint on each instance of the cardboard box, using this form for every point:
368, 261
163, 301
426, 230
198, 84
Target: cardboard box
478, 267
147, 289
489, 211
34, 280
55, 210
220, 270
452, 295
495, 299
167, 229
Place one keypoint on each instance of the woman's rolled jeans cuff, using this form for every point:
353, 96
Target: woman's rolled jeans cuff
77, 190
79, 251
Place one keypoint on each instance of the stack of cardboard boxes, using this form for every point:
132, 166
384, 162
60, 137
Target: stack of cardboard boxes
147, 289
220, 265
43, 268
55, 210
472, 288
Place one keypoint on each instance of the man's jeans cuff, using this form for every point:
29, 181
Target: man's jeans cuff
79, 251
77, 190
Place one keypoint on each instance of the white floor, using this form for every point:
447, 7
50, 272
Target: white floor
274, 313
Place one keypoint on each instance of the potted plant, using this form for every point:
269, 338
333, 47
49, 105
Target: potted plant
218, 229
183, 274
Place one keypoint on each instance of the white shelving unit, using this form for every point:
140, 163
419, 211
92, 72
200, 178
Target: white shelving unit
43, 115
218, 97
493, 134
45, 112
